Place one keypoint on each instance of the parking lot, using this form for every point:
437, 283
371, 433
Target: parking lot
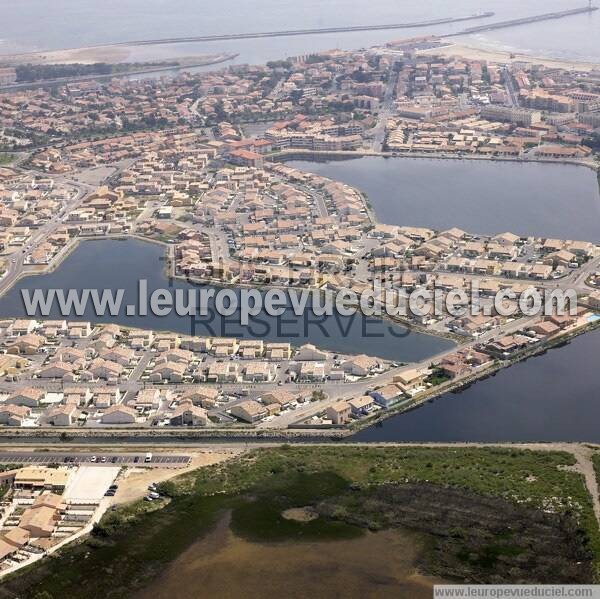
97, 458
90, 484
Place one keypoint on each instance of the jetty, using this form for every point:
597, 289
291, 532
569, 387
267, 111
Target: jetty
298, 32
526, 20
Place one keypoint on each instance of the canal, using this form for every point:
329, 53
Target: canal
120, 264
552, 397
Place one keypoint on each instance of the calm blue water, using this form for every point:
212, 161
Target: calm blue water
546, 200
554, 397
27, 25
111, 264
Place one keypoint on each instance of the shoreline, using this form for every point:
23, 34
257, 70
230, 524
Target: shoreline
470, 50
109, 53
334, 434
73, 245
321, 156
463, 384
118, 52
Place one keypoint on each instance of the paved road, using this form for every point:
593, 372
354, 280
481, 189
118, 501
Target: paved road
17, 265
34, 458
386, 110
578, 278
509, 86
336, 391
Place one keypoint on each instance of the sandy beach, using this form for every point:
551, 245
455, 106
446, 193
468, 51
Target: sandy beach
107, 54
110, 54
475, 53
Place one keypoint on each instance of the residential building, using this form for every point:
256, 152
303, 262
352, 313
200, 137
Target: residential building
30, 397
40, 478
187, 414
119, 415
339, 412
410, 380
13, 415
62, 415
361, 405
249, 411
387, 396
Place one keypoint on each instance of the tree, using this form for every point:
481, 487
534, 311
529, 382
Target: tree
317, 395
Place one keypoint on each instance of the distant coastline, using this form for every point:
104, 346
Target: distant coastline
473, 51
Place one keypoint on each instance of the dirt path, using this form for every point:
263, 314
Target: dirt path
133, 482
585, 467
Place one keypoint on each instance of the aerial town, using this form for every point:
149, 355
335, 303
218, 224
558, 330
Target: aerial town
197, 163
280, 276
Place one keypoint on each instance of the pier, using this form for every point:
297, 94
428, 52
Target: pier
383, 27
526, 20
299, 32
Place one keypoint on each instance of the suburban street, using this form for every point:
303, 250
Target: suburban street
509, 86
385, 110
16, 266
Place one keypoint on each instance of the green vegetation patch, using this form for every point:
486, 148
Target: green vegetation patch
488, 555
29, 73
529, 477
596, 462
437, 377
342, 484
261, 517
509, 543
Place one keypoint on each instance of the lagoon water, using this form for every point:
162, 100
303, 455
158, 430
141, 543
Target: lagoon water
120, 264
483, 197
553, 397
224, 565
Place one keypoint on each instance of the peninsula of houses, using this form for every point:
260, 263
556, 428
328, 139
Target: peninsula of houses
196, 162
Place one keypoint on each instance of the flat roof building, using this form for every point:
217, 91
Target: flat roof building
53, 479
